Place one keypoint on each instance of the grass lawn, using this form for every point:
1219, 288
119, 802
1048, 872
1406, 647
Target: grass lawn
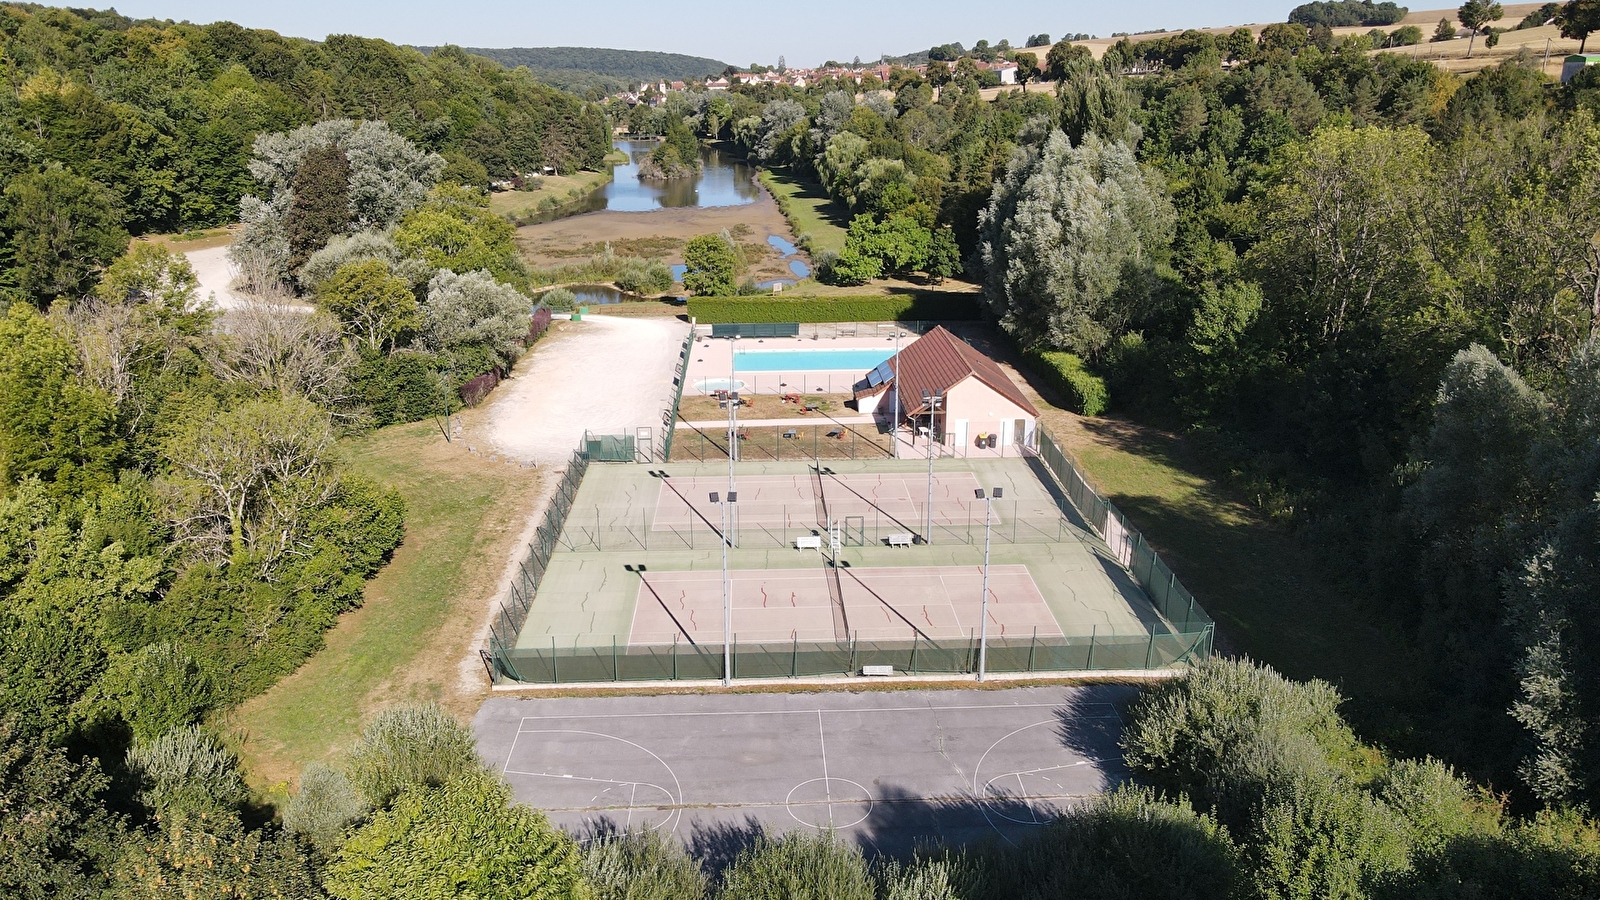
1273, 600
554, 190
422, 611
808, 209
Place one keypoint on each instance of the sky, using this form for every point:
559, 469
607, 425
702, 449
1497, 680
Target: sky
805, 33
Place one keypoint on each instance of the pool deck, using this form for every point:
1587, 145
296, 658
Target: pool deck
713, 358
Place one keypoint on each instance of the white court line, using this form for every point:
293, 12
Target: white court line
827, 789
791, 712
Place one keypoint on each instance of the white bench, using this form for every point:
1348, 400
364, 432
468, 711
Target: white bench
808, 542
901, 539
878, 671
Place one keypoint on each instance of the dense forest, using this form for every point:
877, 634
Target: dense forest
151, 123
597, 71
1368, 288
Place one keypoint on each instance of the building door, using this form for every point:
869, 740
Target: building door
1019, 432
959, 429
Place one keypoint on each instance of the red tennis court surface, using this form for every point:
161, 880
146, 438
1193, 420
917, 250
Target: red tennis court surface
891, 499
781, 605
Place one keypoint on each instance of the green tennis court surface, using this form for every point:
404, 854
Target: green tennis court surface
639, 562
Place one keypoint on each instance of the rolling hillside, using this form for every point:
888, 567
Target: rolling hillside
585, 69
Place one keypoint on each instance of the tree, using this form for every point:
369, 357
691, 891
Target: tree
59, 232
1070, 242
1474, 14
898, 243
278, 351
474, 310
56, 836
213, 855
1445, 32
1038, 40
713, 265
460, 838
1027, 69
244, 480
152, 275
1578, 19
1057, 63
1331, 265
455, 230
1239, 45
52, 425
944, 256
374, 304
319, 206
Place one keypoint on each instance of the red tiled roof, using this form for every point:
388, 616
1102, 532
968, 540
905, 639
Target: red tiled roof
938, 361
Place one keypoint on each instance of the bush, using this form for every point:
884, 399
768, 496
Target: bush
406, 746
187, 769
325, 806
400, 387
798, 866
642, 866
559, 299
1084, 392
897, 307
641, 276
1406, 36
1128, 843
1231, 730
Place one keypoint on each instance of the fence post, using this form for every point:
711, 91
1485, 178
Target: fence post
794, 661
1150, 650
616, 671
914, 651
1089, 664
555, 662
1032, 644
852, 653
674, 657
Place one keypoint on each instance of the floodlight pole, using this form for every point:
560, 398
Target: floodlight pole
727, 592
933, 401
983, 606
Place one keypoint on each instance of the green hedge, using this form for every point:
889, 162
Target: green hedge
1084, 391
900, 307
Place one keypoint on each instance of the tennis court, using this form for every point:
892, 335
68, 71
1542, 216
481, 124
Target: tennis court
885, 500
830, 568
928, 603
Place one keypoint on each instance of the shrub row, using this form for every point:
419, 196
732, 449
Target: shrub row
1084, 392
900, 307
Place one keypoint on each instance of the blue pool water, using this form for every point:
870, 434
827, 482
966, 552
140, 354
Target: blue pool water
858, 360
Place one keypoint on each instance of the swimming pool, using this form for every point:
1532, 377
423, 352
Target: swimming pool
860, 360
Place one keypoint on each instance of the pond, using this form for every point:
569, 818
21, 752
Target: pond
594, 295
724, 181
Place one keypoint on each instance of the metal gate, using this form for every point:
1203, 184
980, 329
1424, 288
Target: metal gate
855, 531
609, 447
643, 443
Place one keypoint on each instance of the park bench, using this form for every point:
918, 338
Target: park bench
901, 539
791, 433
808, 542
877, 671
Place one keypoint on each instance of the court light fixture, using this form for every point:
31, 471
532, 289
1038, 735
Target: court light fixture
715, 497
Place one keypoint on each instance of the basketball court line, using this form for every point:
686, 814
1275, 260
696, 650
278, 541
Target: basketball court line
853, 709
1041, 789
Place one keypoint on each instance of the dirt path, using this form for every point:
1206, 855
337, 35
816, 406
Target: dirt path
606, 374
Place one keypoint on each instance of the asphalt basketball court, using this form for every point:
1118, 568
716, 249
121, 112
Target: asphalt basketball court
889, 770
